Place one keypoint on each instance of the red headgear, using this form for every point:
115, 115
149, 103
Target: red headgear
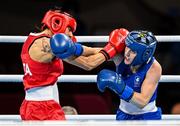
58, 22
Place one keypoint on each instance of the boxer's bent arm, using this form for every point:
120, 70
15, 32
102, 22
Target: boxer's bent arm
148, 87
87, 63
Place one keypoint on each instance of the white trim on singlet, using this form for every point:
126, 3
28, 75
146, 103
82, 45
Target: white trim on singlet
35, 34
132, 109
43, 93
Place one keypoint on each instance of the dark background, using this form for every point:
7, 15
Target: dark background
94, 17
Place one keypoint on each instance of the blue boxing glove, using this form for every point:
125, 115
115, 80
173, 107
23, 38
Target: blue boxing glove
63, 47
113, 81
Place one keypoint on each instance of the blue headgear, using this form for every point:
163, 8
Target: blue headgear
143, 43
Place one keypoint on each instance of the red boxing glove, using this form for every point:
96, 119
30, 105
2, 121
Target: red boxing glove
116, 43
73, 38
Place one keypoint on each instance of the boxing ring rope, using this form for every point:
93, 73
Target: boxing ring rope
21, 39
88, 117
81, 78
92, 79
90, 120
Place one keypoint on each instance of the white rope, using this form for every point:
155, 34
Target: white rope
81, 78
21, 39
92, 123
112, 117
89, 117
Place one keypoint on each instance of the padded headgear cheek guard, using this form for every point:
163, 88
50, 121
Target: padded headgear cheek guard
58, 22
143, 43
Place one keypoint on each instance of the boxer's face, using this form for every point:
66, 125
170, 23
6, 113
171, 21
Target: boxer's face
69, 32
129, 56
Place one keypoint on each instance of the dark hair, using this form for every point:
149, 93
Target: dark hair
61, 10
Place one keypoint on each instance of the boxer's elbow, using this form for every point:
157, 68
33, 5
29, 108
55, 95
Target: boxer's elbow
140, 102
